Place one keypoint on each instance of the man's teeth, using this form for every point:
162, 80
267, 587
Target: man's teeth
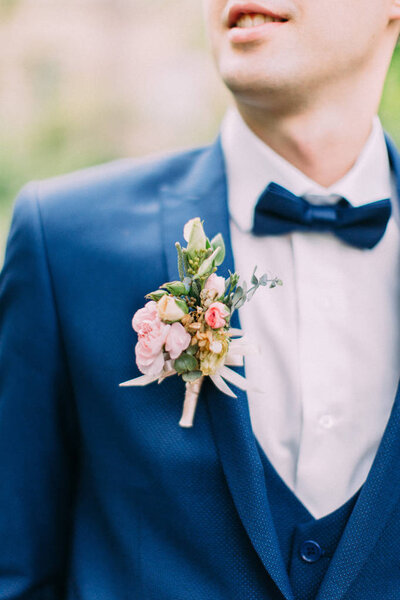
254, 20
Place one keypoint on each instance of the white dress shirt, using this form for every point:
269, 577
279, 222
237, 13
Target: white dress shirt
329, 339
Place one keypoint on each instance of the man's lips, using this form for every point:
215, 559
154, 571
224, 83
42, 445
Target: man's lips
238, 10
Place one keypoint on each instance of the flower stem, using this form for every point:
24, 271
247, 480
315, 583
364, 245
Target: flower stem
190, 403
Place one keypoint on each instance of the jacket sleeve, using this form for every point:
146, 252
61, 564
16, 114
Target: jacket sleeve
38, 440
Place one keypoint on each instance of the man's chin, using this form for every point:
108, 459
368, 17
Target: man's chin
256, 87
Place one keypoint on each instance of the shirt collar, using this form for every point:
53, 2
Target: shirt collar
251, 165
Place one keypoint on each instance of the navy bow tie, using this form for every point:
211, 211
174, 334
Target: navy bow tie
278, 211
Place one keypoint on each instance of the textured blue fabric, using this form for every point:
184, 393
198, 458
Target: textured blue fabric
103, 495
294, 525
279, 211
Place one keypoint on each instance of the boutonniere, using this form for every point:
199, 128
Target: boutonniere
184, 328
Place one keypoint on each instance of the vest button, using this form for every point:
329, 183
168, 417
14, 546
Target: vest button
310, 551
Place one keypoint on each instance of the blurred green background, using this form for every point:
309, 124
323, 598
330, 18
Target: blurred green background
86, 81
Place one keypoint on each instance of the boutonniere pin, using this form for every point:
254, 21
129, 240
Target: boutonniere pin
184, 328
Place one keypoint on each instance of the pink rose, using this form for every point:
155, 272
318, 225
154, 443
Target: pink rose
152, 333
147, 313
147, 362
216, 315
215, 284
178, 339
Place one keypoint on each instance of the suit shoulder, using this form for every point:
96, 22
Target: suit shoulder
127, 177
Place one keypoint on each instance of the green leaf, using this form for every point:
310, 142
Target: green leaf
237, 295
192, 349
182, 305
228, 285
263, 279
185, 362
187, 282
196, 288
177, 288
218, 242
156, 295
254, 279
191, 376
207, 265
240, 302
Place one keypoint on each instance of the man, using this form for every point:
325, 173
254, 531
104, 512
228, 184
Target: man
292, 493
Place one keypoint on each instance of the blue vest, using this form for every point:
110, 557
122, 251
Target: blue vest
307, 544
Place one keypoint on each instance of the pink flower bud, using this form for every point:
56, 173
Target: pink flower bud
216, 315
215, 284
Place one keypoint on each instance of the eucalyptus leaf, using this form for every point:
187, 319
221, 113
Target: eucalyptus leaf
240, 302
191, 376
237, 295
263, 279
192, 349
254, 279
185, 362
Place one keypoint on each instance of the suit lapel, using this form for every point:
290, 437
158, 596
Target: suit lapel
377, 499
203, 193
379, 495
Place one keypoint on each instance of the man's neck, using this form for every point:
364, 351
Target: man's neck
322, 141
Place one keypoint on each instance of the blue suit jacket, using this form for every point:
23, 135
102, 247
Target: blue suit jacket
103, 496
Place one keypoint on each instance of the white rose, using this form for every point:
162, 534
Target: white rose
168, 309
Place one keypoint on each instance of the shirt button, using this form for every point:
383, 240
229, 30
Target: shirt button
326, 421
310, 551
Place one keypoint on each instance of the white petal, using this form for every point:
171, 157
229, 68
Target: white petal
234, 378
221, 385
187, 230
233, 360
139, 381
235, 332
